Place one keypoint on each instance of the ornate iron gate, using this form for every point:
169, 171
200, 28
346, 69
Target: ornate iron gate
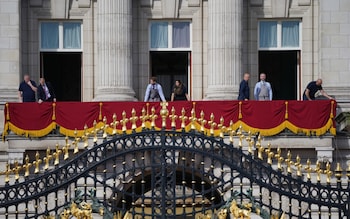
169, 174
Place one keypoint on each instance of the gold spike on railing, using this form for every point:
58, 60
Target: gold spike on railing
260, 148
95, 131
7, 172
47, 159
133, 119
222, 127
308, 169
193, 119
86, 136
318, 171
144, 118
229, 131
338, 172
114, 124
16, 170
37, 162
26, 166
153, 117
328, 172
57, 155
202, 121
66, 149
212, 124
75, 142
269, 154
183, 118
279, 158
164, 112
104, 127
289, 162
173, 118
240, 136
298, 165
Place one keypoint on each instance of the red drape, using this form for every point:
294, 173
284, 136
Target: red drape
267, 117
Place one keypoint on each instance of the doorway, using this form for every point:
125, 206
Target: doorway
281, 68
63, 70
169, 67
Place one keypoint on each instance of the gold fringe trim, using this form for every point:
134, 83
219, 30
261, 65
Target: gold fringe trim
32, 133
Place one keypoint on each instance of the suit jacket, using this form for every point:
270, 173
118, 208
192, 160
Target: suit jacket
41, 92
243, 90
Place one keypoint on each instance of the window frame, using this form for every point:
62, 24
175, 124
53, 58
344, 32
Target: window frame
170, 36
61, 35
279, 46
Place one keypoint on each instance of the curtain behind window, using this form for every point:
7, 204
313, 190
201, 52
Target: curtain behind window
159, 35
181, 35
49, 35
290, 34
71, 35
268, 34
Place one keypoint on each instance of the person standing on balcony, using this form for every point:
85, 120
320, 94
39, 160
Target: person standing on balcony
179, 92
312, 88
46, 92
263, 90
154, 91
244, 88
27, 90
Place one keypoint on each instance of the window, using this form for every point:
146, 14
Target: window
280, 35
166, 35
60, 36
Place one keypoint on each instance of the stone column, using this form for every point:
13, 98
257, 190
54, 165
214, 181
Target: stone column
10, 60
114, 39
224, 49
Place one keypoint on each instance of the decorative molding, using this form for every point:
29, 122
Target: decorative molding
256, 3
193, 3
84, 3
146, 3
36, 3
304, 2
280, 8
170, 8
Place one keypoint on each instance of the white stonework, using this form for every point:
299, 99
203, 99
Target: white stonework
9, 50
114, 37
224, 48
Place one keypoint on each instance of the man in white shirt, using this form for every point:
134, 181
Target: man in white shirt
154, 91
263, 90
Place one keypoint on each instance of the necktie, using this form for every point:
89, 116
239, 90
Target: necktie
47, 95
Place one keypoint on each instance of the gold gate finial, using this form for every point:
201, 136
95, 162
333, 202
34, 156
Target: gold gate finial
164, 112
183, 118
37, 162
173, 118
26, 166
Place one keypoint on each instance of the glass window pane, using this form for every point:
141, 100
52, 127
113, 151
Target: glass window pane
268, 34
49, 35
71, 35
159, 35
181, 35
290, 34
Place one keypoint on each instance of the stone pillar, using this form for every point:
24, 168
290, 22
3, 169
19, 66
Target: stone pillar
114, 40
224, 49
10, 70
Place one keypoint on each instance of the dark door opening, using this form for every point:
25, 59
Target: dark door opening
63, 70
169, 67
281, 68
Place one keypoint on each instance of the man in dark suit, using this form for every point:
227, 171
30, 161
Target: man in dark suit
46, 92
244, 88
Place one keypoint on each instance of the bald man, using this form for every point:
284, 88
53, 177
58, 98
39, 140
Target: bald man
312, 88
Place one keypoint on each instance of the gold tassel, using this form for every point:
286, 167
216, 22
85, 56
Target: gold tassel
53, 111
100, 115
240, 110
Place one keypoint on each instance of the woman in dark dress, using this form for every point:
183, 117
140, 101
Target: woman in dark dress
179, 92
